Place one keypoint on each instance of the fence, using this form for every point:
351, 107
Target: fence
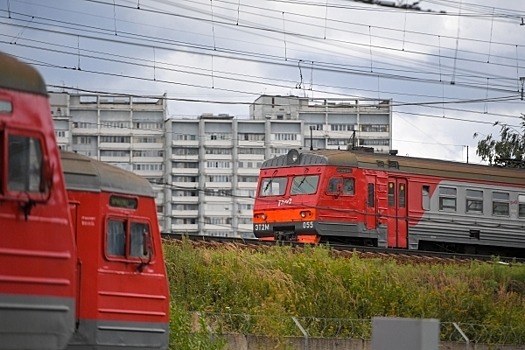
333, 328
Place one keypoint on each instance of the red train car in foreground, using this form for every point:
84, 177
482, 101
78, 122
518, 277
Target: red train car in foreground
387, 200
80, 267
37, 248
123, 294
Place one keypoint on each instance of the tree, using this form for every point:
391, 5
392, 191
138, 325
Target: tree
509, 151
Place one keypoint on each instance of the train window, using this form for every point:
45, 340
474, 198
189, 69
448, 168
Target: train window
338, 185
425, 197
348, 186
500, 203
24, 164
274, 186
116, 238
121, 231
391, 195
521, 209
123, 202
447, 198
371, 196
474, 201
304, 184
402, 195
139, 241
333, 185
6, 106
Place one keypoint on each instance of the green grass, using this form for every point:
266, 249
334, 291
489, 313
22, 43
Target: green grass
274, 284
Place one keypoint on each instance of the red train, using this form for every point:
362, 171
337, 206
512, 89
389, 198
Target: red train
385, 200
80, 267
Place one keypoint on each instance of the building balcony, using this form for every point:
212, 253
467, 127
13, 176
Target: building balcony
149, 173
218, 143
185, 185
251, 144
185, 171
115, 145
185, 199
115, 159
178, 143
176, 157
144, 146
146, 159
220, 227
185, 213
188, 228
251, 157
219, 185
85, 131
124, 131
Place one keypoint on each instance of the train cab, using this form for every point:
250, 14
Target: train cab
123, 299
37, 250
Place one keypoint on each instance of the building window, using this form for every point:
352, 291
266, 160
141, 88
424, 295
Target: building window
286, 137
82, 140
374, 142
184, 137
374, 127
251, 137
447, 198
115, 139
342, 127
222, 151
474, 201
500, 203
218, 164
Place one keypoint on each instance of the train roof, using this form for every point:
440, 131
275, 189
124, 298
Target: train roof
86, 174
399, 164
16, 75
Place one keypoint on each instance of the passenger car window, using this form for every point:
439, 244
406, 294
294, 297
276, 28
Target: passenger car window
500, 203
474, 201
447, 198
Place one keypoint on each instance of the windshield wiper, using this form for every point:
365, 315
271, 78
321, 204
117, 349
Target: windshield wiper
270, 182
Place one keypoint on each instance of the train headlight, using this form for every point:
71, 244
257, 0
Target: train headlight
261, 216
305, 213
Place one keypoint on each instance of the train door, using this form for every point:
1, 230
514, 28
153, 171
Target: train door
397, 212
73, 209
371, 207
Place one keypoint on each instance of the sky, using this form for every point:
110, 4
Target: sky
453, 69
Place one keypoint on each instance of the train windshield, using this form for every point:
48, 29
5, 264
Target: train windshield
273, 186
304, 184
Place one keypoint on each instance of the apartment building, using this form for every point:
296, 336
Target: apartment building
205, 169
124, 131
214, 164
333, 123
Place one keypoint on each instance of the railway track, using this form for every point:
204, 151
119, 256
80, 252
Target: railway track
342, 250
